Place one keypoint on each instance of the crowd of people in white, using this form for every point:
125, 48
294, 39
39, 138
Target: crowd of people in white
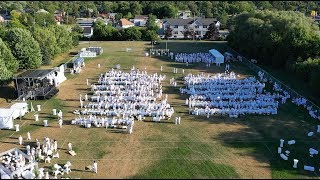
224, 94
194, 58
44, 152
120, 97
298, 100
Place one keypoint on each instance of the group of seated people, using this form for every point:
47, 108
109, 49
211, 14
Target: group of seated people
224, 94
124, 95
300, 101
195, 58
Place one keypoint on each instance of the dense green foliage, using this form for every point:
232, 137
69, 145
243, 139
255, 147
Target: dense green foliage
8, 63
280, 39
47, 42
275, 38
24, 48
162, 9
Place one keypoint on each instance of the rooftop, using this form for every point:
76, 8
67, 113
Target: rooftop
34, 73
125, 22
181, 22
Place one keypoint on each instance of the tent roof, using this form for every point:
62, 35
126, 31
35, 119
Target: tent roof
20, 105
4, 112
77, 60
34, 73
216, 53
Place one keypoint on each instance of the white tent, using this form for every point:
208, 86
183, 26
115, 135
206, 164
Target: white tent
219, 58
8, 115
21, 106
6, 118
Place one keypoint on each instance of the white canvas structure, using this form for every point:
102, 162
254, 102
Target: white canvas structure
7, 115
60, 77
219, 58
86, 53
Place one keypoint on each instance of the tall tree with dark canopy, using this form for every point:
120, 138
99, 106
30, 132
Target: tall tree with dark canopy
213, 32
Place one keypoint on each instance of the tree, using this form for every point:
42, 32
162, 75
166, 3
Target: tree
168, 32
24, 48
118, 16
212, 33
132, 33
151, 35
77, 28
15, 20
47, 43
206, 9
5, 74
44, 19
151, 23
169, 11
187, 33
10, 61
136, 8
63, 38
242, 6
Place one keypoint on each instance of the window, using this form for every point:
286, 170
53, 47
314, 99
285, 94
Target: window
185, 27
196, 26
175, 32
175, 26
205, 26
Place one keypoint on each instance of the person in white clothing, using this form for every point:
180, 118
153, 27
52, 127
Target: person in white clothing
20, 140
60, 123
69, 146
28, 136
95, 167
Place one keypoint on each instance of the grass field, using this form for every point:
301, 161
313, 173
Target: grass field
201, 147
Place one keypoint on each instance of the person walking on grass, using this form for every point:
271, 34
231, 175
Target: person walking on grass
20, 140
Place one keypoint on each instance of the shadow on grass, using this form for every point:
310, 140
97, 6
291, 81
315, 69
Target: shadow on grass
7, 92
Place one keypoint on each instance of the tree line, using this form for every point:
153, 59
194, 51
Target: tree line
30, 46
284, 40
162, 9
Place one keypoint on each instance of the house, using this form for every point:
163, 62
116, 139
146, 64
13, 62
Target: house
140, 20
184, 14
124, 23
199, 26
86, 24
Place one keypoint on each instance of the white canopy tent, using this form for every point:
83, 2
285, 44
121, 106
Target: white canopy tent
6, 118
219, 58
7, 115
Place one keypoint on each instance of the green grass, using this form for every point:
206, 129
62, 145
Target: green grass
188, 150
188, 169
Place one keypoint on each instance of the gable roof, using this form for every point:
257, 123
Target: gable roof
34, 73
141, 17
125, 22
